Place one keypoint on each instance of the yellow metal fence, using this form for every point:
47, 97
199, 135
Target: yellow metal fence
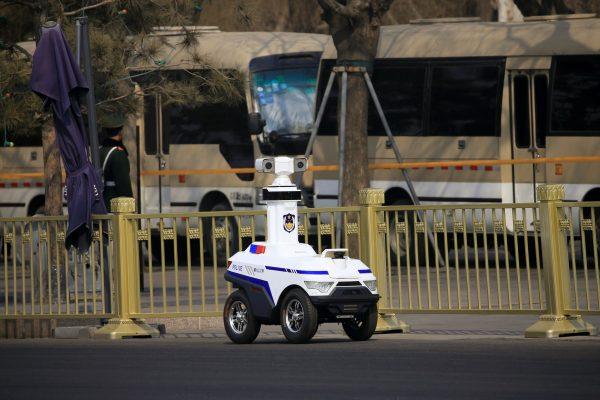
40, 278
463, 258
538, 258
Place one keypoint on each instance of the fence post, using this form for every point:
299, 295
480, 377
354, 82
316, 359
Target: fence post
125, 258
373, 254
556, 271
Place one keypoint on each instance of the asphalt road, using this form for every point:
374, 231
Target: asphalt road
327, 368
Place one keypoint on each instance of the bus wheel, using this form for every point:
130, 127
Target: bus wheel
522, 254
402, 242
223, 248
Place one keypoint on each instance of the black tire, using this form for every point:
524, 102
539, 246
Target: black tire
399, 248
241, 329
221, 245
362, 328
299, 318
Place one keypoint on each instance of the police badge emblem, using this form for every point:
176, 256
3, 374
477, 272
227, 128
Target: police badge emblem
288, 222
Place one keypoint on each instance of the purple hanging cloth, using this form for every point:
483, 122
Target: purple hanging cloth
57, 79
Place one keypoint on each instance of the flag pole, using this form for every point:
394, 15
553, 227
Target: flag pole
84, 60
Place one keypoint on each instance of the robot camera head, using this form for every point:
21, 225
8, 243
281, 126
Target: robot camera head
281, 165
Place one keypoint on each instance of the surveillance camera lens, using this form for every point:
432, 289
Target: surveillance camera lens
300, 165
268, 165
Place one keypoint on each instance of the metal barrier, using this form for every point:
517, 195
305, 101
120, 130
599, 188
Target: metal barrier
581, 224
40, 278
539, 258
483, 257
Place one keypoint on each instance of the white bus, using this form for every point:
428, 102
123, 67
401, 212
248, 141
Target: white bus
279, 71
479, 91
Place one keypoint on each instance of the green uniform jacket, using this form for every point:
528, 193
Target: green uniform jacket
117, 182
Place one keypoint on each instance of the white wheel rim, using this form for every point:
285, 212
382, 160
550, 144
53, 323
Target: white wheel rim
294, 315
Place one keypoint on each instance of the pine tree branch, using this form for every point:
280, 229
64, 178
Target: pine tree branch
14, 46
102, 3
114, 98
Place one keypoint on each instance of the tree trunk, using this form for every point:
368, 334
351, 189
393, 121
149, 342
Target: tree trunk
508, 11
356, 174
354, 27
52, 172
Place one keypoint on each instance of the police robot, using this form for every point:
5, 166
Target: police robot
282, 281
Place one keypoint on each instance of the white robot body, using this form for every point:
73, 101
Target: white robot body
339, 287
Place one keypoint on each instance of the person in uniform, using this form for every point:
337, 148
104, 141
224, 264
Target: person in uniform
115, 160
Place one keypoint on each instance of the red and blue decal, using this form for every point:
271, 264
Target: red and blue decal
257, 249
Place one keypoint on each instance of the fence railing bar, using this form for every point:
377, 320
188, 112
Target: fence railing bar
516, 256
569, 213
175, 263
527, 260
463, 213
202, 269
476, 254
456, 261
584, 258
506, 263
596, 250
161, 226
189, 264
417, 264
215, 260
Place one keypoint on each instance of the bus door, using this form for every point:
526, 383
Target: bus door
529, 119
156, 192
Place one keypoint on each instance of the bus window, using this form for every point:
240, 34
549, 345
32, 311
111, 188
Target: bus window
150, 137
400, 91
575, 96
465, 100
521, 108
221, 123
540, 83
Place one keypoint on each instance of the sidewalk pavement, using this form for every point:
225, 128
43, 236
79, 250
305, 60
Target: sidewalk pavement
422, 327
425, 327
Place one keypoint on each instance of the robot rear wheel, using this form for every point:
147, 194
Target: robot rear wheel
240, 325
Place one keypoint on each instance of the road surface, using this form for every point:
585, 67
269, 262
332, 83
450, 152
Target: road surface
331, 367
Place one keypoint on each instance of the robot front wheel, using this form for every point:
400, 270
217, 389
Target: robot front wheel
362, 328
240, 325
298, 316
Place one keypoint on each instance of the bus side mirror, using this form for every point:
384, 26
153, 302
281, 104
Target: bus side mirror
255, 123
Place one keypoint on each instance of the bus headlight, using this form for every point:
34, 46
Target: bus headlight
322, 287
371, 285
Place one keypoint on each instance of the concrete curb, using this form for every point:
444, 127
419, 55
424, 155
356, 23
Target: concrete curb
74, 332
188, 324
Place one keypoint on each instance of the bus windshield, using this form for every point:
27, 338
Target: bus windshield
285, 99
